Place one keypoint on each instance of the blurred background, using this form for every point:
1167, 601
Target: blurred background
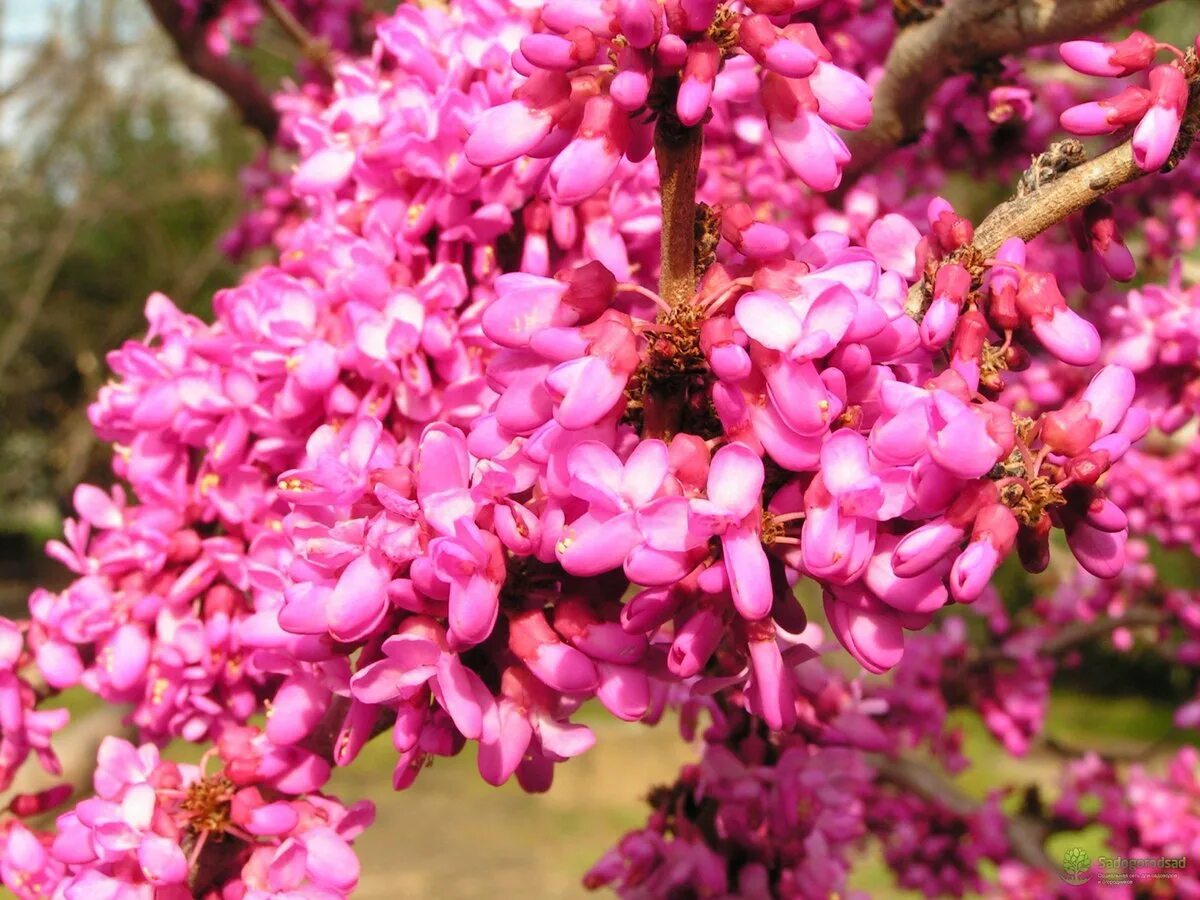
118, 175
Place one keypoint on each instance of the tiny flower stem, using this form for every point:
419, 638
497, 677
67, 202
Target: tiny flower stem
789, 517
645, 292
197, 850
316, 49
1039, 459
1173, 50
725, 293
677, 151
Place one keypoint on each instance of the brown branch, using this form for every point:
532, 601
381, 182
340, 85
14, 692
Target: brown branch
964, 35
1077, 634
1067, 751
1026, 834
234, 80
1033, 212
1081, 632
1028, 216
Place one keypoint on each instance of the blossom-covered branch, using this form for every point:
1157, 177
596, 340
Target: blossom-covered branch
1031, 213
523, 416
964, 35
1073, 183
1025, 834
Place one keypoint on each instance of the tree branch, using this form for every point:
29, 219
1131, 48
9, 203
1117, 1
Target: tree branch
1081, 632
1026, 835
28, 306
1028, 216
235, 81
677, 150
1078, 633
1030, 213
963, 35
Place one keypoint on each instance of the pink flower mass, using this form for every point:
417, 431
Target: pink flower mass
607, 355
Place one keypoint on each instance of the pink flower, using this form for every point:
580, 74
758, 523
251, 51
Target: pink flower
419, 655
1154, 137
732, 510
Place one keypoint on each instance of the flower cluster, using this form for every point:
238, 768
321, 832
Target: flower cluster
172, 830
1156, 110
1148, 815
600, 76
748, 820
932, 849
24, 729
563, 388
1156, 334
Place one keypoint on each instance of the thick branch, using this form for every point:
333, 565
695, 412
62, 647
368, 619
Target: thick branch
236, 81
1026, 835
962, 36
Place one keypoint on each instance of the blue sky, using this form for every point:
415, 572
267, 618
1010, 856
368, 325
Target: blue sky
25, 20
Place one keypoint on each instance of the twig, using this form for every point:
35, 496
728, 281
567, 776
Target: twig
964, 35
25, 311
1081, 632
1074, 635
1028, 216
1031, 213
1067, 751
236, 81
316, 49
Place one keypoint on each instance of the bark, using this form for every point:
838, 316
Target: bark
963, 35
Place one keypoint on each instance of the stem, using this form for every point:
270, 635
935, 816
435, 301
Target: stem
678, 153
315, 49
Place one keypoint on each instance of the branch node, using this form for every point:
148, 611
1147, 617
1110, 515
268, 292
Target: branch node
1062, 156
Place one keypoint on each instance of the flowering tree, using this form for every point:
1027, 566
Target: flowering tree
625, 350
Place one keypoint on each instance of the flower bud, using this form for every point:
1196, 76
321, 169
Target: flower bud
1110, 60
